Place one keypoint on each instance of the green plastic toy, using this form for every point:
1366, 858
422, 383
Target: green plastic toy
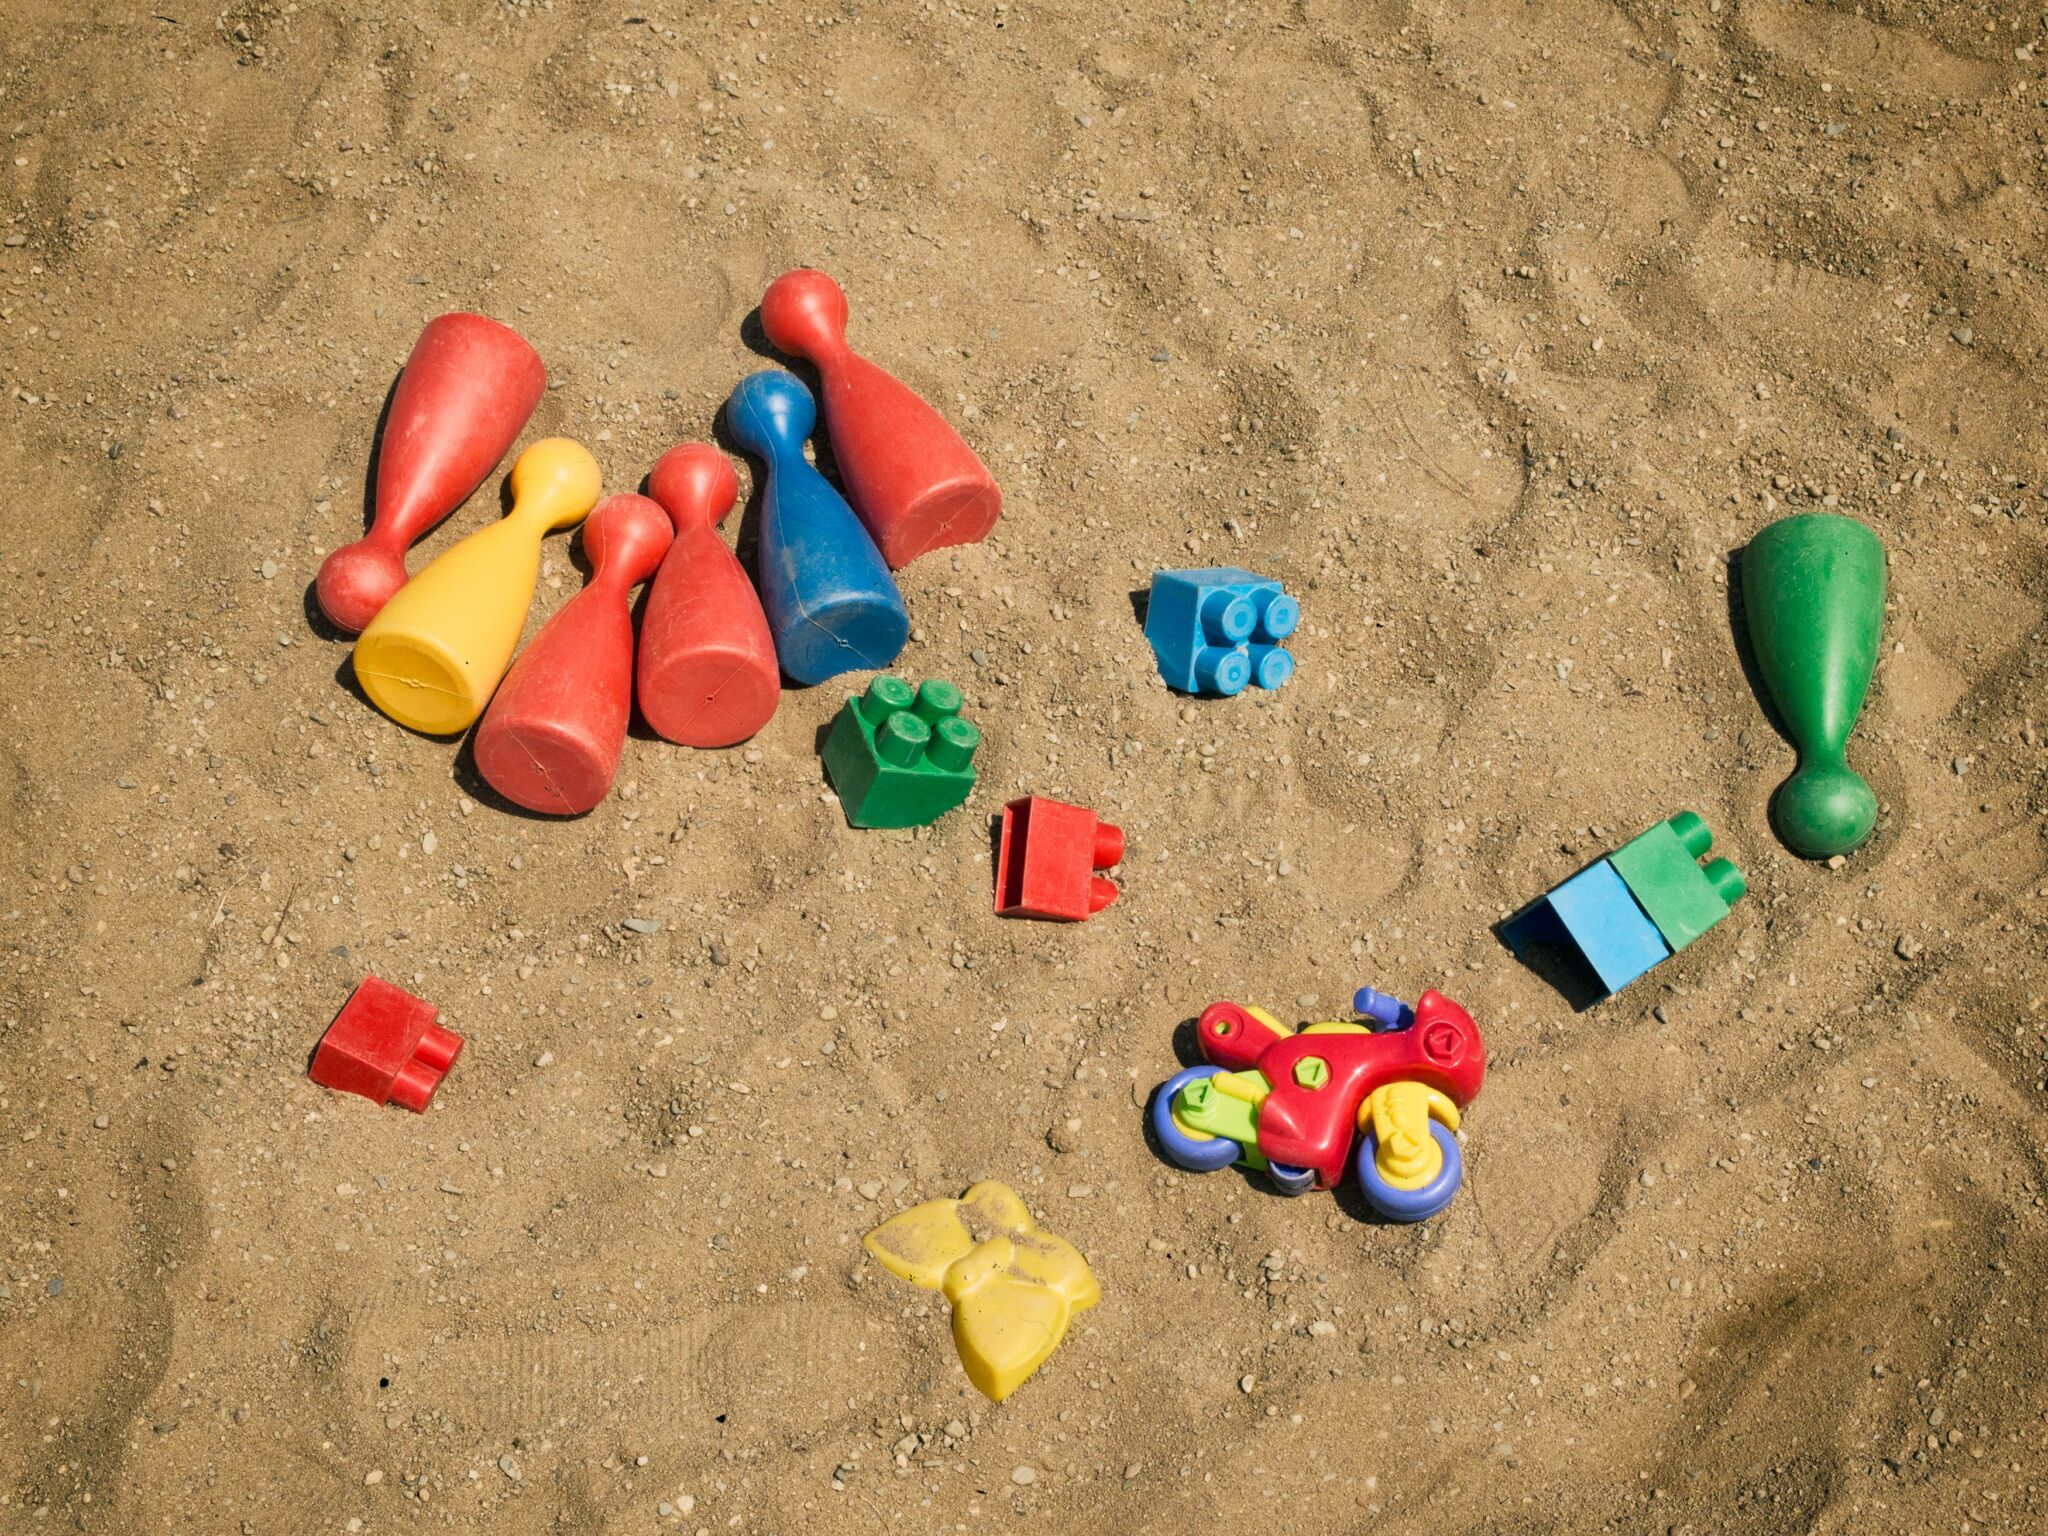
1813, 588
901, 758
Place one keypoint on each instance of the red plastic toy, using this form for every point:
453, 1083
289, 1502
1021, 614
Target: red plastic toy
1310, 1116
913, 480
385, 1045
708, 674
1047, 858
465, 392
551, 739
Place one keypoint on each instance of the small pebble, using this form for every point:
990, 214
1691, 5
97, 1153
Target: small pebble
1024, 1477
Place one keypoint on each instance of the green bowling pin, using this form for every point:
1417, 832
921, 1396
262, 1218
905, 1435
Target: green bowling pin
1813, 587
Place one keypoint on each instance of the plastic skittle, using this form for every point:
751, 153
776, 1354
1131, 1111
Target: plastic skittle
432, 657
832, 605
707, 672
1635, 908
1291, 1103
913, 480
1014, 1286
899, 757
466, 390
1813, 589
551, 739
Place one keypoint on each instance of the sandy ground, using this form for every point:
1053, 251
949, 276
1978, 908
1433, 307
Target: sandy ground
1492, 329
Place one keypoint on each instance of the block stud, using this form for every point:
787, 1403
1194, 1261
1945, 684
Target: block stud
953, 744
1726, 880
902, 739
1227, 619
937, 700
1270, 665
885, 696
1109, 845
1693, 833
1222, 672
1278, 615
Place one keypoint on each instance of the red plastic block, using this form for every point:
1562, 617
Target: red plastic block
1046, 862
385, 1045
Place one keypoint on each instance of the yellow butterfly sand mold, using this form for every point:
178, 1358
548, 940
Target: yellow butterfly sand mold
1014, 1288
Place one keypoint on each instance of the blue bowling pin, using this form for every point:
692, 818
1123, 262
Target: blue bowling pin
832, 605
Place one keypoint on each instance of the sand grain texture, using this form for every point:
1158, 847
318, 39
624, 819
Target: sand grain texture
1491, 330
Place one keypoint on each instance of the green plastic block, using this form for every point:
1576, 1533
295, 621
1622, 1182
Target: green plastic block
900, 758
1661, 870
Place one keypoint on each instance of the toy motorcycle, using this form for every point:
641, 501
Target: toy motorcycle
1289, 1102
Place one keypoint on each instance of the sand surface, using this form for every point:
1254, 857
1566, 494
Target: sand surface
1491, 329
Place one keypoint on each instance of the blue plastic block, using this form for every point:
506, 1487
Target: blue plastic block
1216, 631
1594, 914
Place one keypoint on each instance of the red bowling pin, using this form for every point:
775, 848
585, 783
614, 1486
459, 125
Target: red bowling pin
708, 676
551, 739
467, 389
916, 485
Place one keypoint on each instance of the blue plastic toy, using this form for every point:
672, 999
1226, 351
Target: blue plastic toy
832, 605
1215, 631
1637, 907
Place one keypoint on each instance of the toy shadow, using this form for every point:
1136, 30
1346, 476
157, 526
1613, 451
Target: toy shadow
316, 617
1537, 937
1745, 654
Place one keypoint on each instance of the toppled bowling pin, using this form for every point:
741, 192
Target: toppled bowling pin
434, 654
913, 480
832, 605
551, 739
1813, 591
707, 675
466, 390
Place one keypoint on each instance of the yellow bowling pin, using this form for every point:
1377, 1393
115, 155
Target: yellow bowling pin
435, 653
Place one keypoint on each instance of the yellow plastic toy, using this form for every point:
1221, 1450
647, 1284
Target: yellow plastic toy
435, 653
1014, 1287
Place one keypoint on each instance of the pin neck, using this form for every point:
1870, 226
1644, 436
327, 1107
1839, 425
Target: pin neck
830, 350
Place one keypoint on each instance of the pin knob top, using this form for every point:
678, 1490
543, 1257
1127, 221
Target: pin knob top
771, 413
694, 483
625, 539
558, 479
804, 313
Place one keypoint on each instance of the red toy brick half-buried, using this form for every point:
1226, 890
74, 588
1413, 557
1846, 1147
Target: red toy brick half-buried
1047, 858
385, 1045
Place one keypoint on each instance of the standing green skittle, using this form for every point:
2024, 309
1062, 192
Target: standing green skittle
1813, 589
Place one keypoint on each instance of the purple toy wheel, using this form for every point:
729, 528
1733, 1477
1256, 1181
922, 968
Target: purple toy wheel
1410, 1204
1203, 1154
